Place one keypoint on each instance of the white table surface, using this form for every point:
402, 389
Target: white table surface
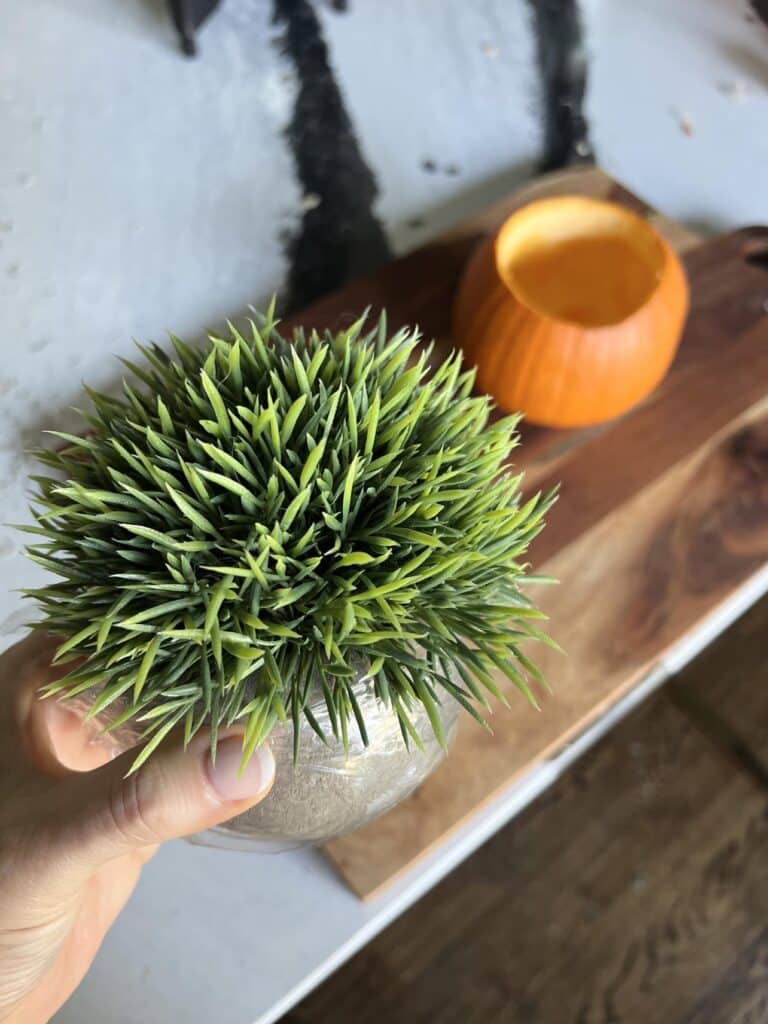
139, 191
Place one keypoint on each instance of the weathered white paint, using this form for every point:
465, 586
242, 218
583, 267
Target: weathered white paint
660, 68
139, 191
454, 83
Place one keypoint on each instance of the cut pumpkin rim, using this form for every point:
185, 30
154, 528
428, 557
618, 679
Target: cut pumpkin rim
542, 230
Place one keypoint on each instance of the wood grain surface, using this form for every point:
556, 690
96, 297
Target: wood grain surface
662, 515
632, 892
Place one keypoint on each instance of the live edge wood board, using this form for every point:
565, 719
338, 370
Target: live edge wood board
662, 515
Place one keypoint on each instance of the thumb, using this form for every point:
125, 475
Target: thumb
107, 812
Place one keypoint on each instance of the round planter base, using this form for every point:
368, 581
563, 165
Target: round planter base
328, 792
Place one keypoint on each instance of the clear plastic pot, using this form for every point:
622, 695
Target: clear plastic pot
327, 792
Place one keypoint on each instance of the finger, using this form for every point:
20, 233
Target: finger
77, 744
27, 664
24, 669
98, 815
50, 734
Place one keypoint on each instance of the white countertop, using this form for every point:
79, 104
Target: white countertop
139, 191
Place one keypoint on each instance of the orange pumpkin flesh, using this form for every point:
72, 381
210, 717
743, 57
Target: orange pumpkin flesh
573, 313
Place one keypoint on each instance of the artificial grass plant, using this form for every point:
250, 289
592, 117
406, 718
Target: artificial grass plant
252, 522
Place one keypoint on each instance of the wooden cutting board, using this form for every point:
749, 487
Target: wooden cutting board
663, 513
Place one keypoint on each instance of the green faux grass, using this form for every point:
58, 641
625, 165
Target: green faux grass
250, 523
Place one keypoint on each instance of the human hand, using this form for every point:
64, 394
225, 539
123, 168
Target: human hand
73, 842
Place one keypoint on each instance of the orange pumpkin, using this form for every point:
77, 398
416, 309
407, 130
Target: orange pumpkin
572, 312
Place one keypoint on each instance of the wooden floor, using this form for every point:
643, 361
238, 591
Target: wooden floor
635, 891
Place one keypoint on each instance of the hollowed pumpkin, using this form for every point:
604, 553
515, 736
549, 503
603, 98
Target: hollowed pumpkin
572, 312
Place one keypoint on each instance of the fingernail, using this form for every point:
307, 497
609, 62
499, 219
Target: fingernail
225, 775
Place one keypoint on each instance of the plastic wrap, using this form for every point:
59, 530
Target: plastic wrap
328, 791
